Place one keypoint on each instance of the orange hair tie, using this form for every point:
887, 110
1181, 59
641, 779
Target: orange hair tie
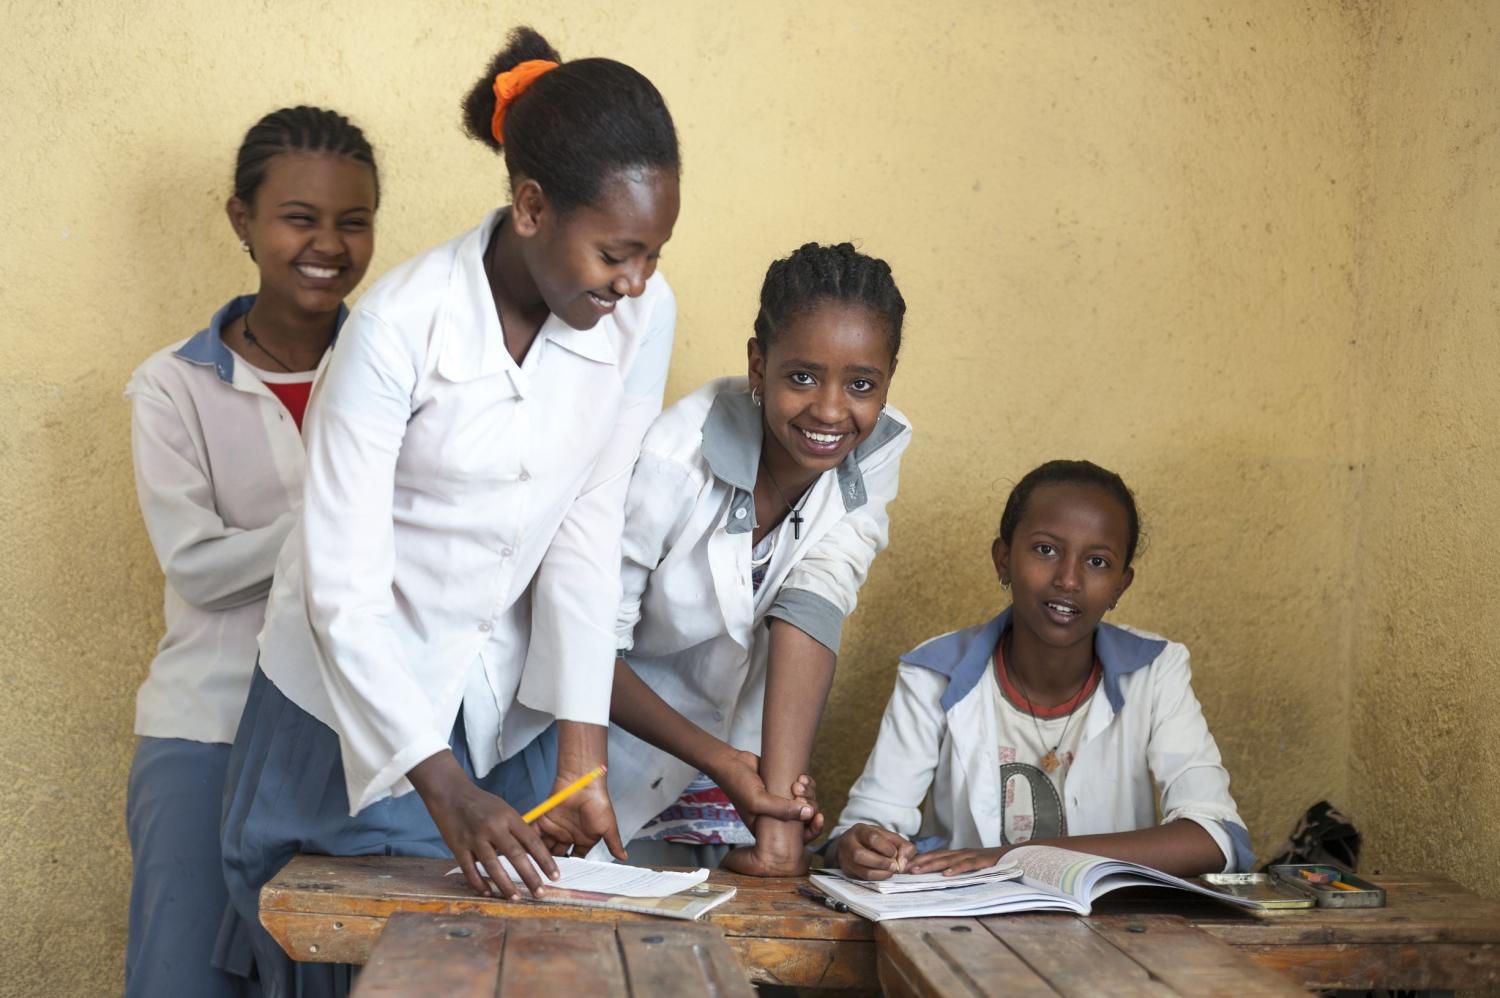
511, 84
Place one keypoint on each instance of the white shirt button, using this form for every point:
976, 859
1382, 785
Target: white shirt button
485, 626
506, 552
525, 476
739, 514
718, 715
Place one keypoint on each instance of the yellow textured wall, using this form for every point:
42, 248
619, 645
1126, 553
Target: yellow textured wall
1425, 767
1178, 239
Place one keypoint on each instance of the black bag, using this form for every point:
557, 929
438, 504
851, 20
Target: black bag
1322, 836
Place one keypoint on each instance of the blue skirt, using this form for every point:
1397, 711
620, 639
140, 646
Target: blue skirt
284, 794
177, 893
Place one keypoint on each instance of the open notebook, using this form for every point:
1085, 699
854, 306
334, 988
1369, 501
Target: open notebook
1051, 879
592, 884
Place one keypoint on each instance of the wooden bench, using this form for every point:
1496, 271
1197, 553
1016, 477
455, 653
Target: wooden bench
1432, 934
1049, 955
475, 956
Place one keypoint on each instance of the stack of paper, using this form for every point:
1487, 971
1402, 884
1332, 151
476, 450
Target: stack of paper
593, 884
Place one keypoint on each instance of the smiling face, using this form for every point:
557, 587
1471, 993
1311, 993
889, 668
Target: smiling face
1065, 561
585, 260
822, 383
311, 229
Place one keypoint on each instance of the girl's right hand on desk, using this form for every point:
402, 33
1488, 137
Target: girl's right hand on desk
479, 827
872, 853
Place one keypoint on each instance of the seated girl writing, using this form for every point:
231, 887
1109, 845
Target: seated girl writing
753, 515
1046, 725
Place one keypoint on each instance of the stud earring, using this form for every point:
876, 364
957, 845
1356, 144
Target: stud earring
1005, 584
244, 245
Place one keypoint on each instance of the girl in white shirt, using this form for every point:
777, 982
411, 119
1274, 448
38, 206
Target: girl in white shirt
218, 464
449, 590
1046, 725
754, 513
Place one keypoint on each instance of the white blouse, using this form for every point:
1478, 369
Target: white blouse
460, 538
691, 623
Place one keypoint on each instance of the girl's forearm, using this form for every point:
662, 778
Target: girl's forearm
799, 674
580, 747
636, 707
1182, 848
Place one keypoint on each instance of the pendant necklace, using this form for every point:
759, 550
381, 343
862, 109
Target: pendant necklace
254, 341
1050, 761
796, 510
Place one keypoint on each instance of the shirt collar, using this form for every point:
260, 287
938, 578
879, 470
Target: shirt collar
474, 343
207, 345
732, 438
964, 655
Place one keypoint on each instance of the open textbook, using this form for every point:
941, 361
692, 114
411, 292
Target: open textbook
1051, 879
591, 884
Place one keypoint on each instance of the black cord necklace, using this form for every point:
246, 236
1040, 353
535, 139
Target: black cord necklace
254, 341
796, 510
1051, 760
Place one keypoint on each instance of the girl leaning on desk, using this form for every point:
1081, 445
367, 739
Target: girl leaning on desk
215, 433
448, 592
754, 514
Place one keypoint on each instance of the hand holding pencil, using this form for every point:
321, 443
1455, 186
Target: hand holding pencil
578, 815
564, 794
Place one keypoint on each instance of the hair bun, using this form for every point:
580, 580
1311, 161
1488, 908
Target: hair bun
523, 44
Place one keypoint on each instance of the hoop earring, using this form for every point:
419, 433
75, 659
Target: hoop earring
755, 396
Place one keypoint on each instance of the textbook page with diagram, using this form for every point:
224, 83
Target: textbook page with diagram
591, 884
1051, 879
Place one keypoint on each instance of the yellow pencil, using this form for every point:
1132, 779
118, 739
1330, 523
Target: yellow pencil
563, 794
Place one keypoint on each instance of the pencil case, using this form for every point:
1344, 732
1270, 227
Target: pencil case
1270, 893
1355, 892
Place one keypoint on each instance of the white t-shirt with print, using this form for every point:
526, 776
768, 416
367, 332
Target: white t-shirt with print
1031, 803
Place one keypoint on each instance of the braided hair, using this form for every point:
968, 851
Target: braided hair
298, 129
1071, 473
576, 126
814, 274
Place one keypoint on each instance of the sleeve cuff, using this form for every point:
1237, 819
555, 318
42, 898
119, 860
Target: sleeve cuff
810, 613
1232, 838
391, 779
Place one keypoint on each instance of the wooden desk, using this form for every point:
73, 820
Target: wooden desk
1049, 955
328, 909
1432, 934
472, 956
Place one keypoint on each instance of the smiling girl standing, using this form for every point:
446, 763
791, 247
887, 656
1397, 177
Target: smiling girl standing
215, 431
448, 593
1046, 725
755, 511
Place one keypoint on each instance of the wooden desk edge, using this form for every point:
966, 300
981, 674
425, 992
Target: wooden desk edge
313, 923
